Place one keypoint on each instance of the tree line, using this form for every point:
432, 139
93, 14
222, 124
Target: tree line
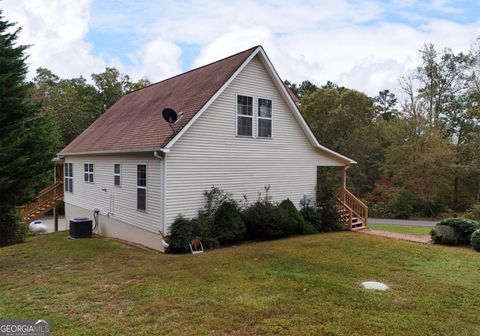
417, 156
73, 104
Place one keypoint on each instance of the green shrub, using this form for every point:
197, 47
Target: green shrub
427, 208
228, 225
311, 217
475, 210
202, 229
475, 240
265, 221
329, 217
401, 206
378, 210
469, 215
182, 232
215, 198
11, 230
462, 229
296, 224
308, 228
444, 235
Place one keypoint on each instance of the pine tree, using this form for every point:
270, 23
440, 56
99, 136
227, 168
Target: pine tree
26, 147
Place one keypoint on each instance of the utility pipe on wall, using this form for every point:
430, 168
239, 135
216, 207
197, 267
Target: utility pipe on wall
161, 156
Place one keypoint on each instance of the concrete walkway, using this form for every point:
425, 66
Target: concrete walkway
399, 236
408, 222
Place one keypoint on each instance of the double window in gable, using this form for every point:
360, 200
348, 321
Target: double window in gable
246, 117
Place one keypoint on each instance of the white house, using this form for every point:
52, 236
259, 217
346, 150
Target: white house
238, 129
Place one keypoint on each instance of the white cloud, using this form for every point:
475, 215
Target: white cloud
354, 43
158, 59
367, 58
56, 31
442, 6
235, 40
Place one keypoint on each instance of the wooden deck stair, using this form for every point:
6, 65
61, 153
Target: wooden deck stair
353, 213
46, 200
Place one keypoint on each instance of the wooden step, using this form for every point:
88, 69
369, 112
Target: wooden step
360, 228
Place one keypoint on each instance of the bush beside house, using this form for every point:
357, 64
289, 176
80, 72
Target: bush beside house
228, 225
222, 222
266, 221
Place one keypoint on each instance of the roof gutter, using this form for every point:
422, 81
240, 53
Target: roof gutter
117, 151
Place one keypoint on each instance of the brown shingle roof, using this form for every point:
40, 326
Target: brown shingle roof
135, 121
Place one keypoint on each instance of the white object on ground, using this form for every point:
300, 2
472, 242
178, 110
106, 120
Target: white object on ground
374, 285
165, 244
37, 227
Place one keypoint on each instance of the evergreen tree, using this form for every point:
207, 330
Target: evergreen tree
25, 142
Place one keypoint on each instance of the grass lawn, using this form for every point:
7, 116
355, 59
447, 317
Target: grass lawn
405, 229
306, 285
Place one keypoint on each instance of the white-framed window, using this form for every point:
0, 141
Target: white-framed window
117, 175
264, 118
244, 116
142, 187
68, 177
88, 172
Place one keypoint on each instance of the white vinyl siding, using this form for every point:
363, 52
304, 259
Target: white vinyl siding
119, 203
210, 153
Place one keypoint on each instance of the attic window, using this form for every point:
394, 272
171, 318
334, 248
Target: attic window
264, 118
244, 116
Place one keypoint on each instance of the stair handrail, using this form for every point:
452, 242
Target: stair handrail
350, 212
50, 187
358, 207
46, 195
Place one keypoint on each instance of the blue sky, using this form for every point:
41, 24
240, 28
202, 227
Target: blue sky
366, 45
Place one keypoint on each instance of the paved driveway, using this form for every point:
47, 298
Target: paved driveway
408, 222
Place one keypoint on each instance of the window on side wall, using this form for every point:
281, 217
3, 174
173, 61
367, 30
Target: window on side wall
142, 187
244, 116
117, 168
88, 172
68, 177
264, 118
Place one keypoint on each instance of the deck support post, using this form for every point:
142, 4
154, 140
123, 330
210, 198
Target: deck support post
57, 176
344, 182
55, 218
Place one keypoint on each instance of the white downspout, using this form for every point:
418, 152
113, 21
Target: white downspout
164, 190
